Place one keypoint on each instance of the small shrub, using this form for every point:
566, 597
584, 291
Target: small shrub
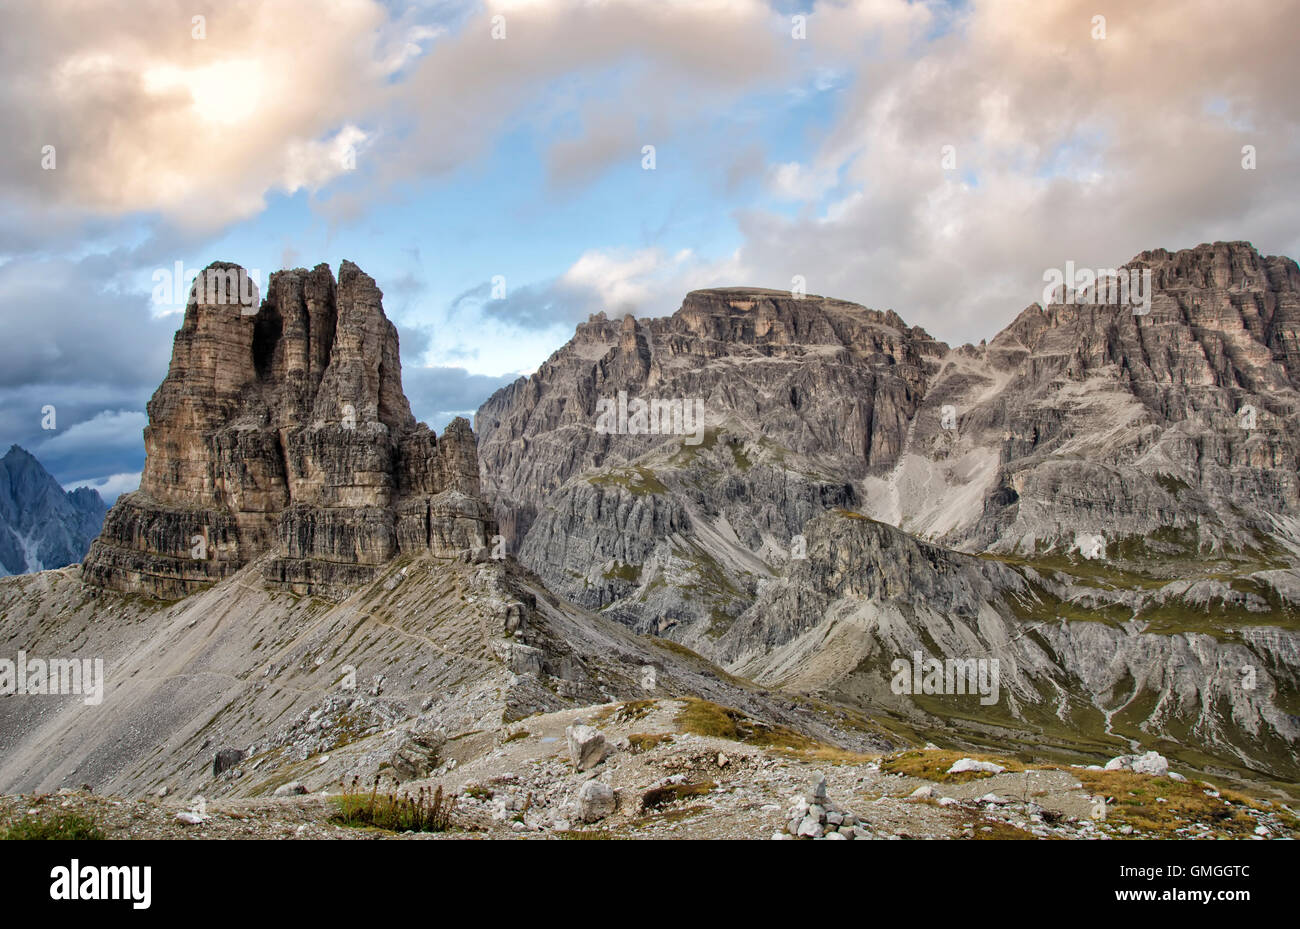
427, 811
59, 826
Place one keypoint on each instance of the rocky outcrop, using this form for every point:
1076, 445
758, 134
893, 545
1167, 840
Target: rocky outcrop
1105, 501
1162, 436
672, 529
870, 601
286, 430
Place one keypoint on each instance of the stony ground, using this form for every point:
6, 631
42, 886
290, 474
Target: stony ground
668, 781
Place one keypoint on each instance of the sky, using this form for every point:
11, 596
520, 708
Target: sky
504, 169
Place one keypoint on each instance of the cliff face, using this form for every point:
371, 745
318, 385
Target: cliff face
1168, 434
1104, 501
286, 430
800, 397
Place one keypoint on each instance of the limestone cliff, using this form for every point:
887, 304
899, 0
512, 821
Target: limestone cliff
286, 429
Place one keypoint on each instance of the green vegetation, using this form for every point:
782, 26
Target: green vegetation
479, 792
59, 826
427, 811
636, 480
632, 710
933, 765
646, 741
702, 717
631, 573
1137, 803
597, 835
658, 797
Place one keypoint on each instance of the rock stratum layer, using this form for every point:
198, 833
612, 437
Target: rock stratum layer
286, 430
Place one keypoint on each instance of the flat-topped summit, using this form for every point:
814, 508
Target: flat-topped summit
286, 428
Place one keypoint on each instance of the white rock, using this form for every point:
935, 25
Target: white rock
836, 835
810, 827
587, 746
962, 765
595, 801
190, 819
1152, 763
924, 792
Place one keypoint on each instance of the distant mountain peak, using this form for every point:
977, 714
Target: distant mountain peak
42, 526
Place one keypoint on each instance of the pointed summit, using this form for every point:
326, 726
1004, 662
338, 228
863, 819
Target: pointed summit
285, 431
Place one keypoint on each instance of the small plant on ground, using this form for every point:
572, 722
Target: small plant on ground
426, 811
59, 826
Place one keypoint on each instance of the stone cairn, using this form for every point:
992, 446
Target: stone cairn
814, 816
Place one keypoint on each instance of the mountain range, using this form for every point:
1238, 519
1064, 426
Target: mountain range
42, 525
759, 505
1123, 484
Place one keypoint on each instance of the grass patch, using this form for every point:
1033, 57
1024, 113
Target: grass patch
516, 736
631, 711
599, 835
59, 826
646, 741
702, 717
1000, 831
427, 811
658, 797
629, 573
933, 765
636, 480
1137, 804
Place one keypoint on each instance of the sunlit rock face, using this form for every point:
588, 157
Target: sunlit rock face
282, 428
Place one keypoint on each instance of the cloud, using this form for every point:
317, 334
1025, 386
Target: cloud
111, 486
111, 436
145, 114
440, 394
643, 282
1067, 148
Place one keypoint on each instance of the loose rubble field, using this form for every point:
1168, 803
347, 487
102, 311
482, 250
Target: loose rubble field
636, 770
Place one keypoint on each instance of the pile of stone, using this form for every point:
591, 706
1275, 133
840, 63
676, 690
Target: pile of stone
814, 816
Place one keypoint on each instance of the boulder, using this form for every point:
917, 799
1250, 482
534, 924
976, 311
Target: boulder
226, 759
1152, 763
970, 764
587, 746
595, 801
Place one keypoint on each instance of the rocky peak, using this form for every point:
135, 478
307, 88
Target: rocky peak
286, 428
41, 525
